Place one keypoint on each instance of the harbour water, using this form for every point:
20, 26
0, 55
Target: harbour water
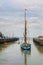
11, 54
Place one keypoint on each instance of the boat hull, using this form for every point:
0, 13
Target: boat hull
8, 40
26, 47
37, 41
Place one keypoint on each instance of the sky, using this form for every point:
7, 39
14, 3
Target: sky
11, 12
16, 8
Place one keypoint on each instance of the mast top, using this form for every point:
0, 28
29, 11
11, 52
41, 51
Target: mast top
25, 14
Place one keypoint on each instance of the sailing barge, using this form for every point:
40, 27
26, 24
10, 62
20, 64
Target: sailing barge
25, 45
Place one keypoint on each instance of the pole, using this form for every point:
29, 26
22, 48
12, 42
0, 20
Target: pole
25, 39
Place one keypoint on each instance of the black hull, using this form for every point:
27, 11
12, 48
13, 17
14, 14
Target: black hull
8, 40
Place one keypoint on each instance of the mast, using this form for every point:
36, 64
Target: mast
25, 46
25, 34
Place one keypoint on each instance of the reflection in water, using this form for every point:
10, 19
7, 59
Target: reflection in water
3, 46
26, 52
39, 48
12, 54
25, 59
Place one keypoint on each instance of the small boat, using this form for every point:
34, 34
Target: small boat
38, 40
4, 39
25, 45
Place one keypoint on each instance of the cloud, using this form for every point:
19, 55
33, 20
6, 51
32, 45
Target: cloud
16, 7
22, 3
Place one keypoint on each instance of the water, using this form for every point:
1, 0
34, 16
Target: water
11, 54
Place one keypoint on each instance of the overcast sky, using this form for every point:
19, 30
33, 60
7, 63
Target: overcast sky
16, 7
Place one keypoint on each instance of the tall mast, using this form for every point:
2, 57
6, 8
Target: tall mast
25, 38
25, 46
